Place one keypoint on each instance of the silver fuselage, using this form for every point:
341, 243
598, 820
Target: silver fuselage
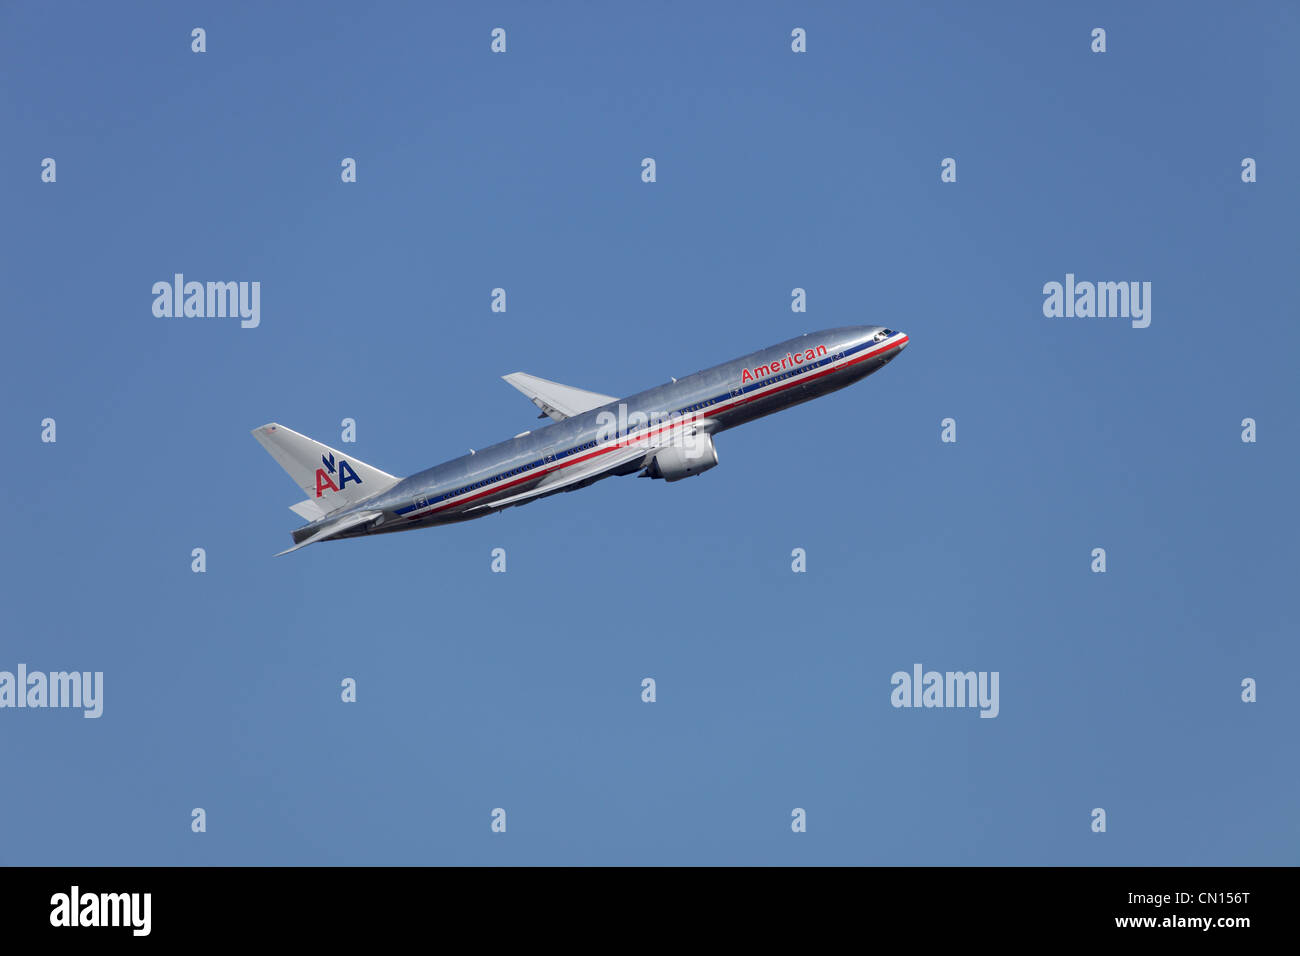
718, 398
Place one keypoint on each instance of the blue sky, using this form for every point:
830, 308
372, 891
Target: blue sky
775, 170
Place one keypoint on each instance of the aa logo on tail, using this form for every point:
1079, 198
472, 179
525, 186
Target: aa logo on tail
323, 479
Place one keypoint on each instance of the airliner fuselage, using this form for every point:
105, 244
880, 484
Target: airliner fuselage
663, 432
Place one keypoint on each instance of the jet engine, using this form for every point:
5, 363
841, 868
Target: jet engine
697, 454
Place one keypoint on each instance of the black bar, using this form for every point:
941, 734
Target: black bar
647, 907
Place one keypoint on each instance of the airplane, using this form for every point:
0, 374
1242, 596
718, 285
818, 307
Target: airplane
664, 432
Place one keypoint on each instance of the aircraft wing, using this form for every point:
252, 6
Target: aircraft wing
556, 400
573, 478
334, 527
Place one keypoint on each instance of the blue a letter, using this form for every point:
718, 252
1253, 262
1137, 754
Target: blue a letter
346, 474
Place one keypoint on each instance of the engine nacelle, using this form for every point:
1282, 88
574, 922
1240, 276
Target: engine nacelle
695, 455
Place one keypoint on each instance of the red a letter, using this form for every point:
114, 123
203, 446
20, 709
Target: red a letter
328, 482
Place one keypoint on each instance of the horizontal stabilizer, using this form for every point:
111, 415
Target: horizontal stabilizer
308, 510
333, 528
556, 400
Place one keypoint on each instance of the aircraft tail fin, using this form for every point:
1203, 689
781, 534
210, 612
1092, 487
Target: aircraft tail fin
330, 478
